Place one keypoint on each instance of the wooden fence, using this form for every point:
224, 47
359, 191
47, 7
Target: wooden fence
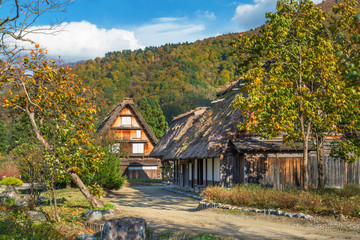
282, 172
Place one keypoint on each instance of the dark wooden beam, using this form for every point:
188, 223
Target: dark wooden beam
206, 172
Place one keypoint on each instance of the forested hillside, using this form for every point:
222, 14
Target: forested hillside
181, 76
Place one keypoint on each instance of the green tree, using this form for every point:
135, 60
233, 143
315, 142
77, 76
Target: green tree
153, 115
109, 176
293, 83
345, 29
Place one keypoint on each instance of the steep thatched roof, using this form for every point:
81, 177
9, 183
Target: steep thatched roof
109, 120
202, 136
178, 128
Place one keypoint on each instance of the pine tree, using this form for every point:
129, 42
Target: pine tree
153, 115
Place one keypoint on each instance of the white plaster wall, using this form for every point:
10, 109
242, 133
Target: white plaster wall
209, 169
217, 170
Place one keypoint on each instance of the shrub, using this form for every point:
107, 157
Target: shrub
9, 202
331, 201
8, 169
109, 176
11, 181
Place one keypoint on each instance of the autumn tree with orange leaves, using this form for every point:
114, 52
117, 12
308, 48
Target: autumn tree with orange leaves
60, 111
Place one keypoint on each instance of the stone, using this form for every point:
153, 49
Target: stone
21, 203
10, 192
36, 216
86, 237
299, 215
92, 215
127, 228
306, 216
276, 212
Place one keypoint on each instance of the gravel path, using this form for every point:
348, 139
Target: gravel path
169, 211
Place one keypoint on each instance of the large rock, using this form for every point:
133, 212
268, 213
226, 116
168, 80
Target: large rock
127, 228
36, 216
10, 192
92, 215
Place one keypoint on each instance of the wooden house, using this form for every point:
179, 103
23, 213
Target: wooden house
206, 149
133, 137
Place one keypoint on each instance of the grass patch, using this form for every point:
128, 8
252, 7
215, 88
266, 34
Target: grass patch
328, 201
14, 223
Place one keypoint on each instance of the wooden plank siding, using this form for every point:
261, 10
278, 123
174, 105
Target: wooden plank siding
282, 172
143, 174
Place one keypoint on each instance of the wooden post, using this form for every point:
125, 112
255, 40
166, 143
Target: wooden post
192, 174
206, 168
198, 172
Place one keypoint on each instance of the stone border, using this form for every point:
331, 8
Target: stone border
204, 205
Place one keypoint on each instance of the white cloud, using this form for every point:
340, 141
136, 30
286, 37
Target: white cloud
171, 31
83, 40
249, 16
206, 14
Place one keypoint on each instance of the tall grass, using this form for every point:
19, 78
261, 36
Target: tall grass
328, 201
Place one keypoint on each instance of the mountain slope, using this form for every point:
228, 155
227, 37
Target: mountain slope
180, 76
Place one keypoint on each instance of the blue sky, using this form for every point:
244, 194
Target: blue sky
94, 27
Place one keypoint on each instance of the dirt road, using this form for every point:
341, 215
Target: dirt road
169, 211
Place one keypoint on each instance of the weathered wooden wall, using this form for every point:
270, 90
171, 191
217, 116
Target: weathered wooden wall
231, 168
281, 171
143, 174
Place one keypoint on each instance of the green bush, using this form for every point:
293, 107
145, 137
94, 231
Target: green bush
9, 202
109, 176
11, 181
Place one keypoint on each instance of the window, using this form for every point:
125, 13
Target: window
138, 148
126, 120
138, 134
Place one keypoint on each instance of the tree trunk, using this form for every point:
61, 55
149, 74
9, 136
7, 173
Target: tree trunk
79, 183
37, 131
56, 214
320, 160
306, 161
